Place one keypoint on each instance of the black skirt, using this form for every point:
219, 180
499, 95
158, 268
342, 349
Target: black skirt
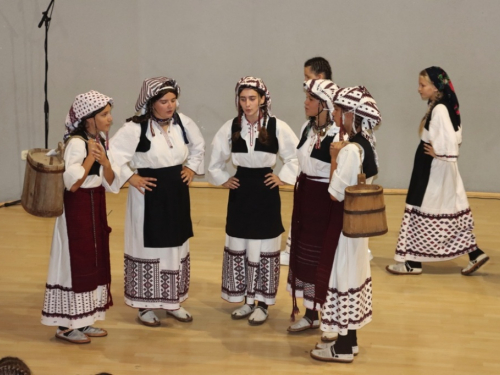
167, 211
419, 176
253, 209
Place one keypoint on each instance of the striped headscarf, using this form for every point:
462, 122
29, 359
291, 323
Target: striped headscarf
253, 83
84, 105
151, 87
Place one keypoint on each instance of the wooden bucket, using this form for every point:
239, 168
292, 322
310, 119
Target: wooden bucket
364, 211
43, 184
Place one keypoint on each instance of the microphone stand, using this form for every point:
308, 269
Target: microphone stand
46, 18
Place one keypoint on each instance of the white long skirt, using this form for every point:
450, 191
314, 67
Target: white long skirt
155, 278
441, 229
348, 302
251, 269
61, 306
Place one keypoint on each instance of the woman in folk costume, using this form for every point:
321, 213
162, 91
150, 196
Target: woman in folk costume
346, 293
437, 224
78, 291
252, 140
158, 153
314, 68
313, 209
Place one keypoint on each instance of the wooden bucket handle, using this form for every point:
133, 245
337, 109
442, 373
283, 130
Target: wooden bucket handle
361, 176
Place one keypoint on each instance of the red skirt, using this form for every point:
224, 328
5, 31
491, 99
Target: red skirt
316, 226
88, 238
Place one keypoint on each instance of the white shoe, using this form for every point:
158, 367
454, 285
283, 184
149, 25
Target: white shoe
303, 325
403, 269
355, 349
475, 264
242, 311
181, 314
258, 317
94, 331
285, 258
329, 355
329, 336
148, 318
72, 335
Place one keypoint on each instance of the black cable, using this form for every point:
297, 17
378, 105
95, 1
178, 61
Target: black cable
8, 204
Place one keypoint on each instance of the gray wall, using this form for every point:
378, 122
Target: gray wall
207, 45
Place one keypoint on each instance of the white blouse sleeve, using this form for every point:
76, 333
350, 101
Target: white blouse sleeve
442, 135
346, 174
122, 148
196, 146
74, 155
287, 141
221, 152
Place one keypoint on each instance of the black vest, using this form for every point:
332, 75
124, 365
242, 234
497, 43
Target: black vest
322, 153
369, 165
144, 144
240, 145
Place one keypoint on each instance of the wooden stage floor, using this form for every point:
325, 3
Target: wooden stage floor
436, 323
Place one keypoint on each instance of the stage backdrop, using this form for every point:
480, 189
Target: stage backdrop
207, 45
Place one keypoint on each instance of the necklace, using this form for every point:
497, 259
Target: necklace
165, 121
95, 137
321, 130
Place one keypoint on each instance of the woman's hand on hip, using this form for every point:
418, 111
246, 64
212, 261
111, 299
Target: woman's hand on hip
232, 183
142, 183
429, 150
187, 175
272, 180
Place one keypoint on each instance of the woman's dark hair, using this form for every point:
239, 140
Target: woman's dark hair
83, 123
319, 65
149, 106
13, 366
263, 136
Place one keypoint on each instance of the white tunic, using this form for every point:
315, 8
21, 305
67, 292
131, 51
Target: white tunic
221, 152
165, 266
75, 310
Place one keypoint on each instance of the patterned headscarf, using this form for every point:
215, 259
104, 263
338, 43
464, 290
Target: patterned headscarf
323, 89
443, 83
359, 100
253, 83
151, 87
84, 105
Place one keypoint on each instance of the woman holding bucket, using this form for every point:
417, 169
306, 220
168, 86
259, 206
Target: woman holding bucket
158, 153
436, 193
346, 292
78, 290
252, 140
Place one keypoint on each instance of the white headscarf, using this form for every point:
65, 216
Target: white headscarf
84, 105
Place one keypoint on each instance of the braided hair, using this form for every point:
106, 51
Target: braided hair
263, 135
320, 65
